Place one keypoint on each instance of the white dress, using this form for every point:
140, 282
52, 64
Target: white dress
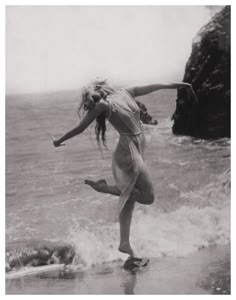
128, 157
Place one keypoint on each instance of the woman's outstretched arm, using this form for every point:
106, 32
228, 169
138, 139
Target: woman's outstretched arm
147, 89
87, 120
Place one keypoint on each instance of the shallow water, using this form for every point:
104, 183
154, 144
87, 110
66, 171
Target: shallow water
46, 199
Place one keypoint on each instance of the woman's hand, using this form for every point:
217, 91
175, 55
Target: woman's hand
57, 143
190, 91
183, 85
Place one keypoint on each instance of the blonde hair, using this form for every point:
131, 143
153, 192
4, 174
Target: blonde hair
92, 94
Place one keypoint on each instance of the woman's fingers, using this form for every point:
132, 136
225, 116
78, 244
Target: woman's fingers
193, 93
56, 143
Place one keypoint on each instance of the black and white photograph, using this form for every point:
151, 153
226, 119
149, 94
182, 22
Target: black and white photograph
118, 149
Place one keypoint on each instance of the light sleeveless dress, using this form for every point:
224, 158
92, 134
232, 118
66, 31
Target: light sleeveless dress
128, 156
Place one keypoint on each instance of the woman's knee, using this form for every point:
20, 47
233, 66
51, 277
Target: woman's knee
144, 196
149, 197
145, 188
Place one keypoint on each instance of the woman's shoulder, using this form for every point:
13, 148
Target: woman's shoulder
118, 95
130, 91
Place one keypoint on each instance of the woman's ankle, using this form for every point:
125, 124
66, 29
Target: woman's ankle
113, 190
126, 248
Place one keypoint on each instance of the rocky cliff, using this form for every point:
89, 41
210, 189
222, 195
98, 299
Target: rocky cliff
208, 70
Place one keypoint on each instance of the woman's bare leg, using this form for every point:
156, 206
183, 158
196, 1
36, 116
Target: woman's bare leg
125, 218
102, 187
142, 193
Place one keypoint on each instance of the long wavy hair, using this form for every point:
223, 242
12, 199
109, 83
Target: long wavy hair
91, 95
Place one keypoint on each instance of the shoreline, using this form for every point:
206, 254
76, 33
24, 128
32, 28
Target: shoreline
206, 271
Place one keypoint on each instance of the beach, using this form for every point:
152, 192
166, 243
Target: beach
185, 233
204, 272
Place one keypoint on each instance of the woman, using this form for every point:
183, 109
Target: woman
133, 181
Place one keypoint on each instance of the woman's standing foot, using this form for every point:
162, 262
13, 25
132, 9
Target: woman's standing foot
126, 248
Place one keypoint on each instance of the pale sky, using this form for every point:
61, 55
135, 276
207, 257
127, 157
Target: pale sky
52, 48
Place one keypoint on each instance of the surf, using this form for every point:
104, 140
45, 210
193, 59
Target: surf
203, 223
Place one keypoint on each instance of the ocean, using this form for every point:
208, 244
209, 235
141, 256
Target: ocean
47, 202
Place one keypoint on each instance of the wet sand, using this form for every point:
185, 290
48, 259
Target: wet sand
204, 272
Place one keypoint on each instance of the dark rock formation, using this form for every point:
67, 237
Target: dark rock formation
208, 70
38, 254
144, 115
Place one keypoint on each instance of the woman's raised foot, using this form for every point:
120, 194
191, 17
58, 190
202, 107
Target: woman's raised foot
99, 185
